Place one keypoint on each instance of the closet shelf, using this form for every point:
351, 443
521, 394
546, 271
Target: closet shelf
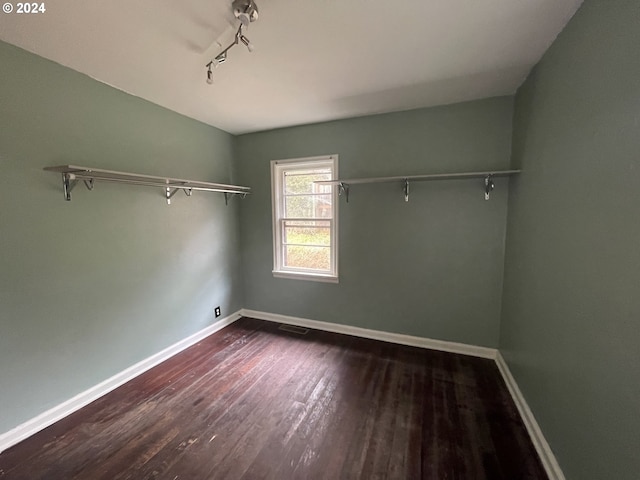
71, 174
488, 176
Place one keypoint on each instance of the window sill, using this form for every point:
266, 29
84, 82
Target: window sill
306, 276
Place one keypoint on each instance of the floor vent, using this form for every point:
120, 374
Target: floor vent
293, 329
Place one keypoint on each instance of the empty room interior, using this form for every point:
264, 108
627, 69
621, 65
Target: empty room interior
275, 239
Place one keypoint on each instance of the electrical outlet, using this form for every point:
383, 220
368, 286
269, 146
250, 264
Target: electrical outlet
217, 312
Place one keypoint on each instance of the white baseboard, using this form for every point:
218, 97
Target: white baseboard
58, 412
545, 453
452, 347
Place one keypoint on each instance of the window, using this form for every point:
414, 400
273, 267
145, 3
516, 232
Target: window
305, 219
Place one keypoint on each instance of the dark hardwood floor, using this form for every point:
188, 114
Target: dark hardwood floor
254, 402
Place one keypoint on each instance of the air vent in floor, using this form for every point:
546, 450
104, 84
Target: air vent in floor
293, 329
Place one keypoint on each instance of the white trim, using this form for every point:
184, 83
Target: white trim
60, 411
277, 215
545, 453
445, 346
306, 276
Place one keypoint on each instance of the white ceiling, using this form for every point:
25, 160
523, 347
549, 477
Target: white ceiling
315, 60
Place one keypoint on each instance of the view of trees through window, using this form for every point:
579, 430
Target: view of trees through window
306, 226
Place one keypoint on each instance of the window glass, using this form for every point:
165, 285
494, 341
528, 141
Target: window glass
305, 218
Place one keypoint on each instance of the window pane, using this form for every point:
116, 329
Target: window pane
304, 216
317, 258
307, 233
301, 181
307, 206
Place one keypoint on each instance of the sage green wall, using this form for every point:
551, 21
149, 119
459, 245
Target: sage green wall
92, 286
431, 267
571, 317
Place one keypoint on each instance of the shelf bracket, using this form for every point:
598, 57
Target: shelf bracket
89, 184
229, 195
188, 191
69, 181
343, 188
488, 186
170, 193
406, 190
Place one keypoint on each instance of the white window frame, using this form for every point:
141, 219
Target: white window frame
278, 167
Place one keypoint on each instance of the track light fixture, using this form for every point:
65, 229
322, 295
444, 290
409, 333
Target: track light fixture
246, 11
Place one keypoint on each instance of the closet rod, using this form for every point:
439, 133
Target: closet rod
180, 186
71, 174
413, 178
344, 184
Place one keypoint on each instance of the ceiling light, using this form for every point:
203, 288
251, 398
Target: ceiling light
246, 11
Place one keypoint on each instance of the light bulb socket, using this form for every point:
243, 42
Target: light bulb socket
247, 43
209, 75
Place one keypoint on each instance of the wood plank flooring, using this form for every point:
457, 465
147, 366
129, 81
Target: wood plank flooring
255, 402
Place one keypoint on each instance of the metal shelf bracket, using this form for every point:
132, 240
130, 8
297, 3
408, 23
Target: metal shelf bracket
406, 190
228, 195
170, 193
69, 182
343, 188
488, 186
